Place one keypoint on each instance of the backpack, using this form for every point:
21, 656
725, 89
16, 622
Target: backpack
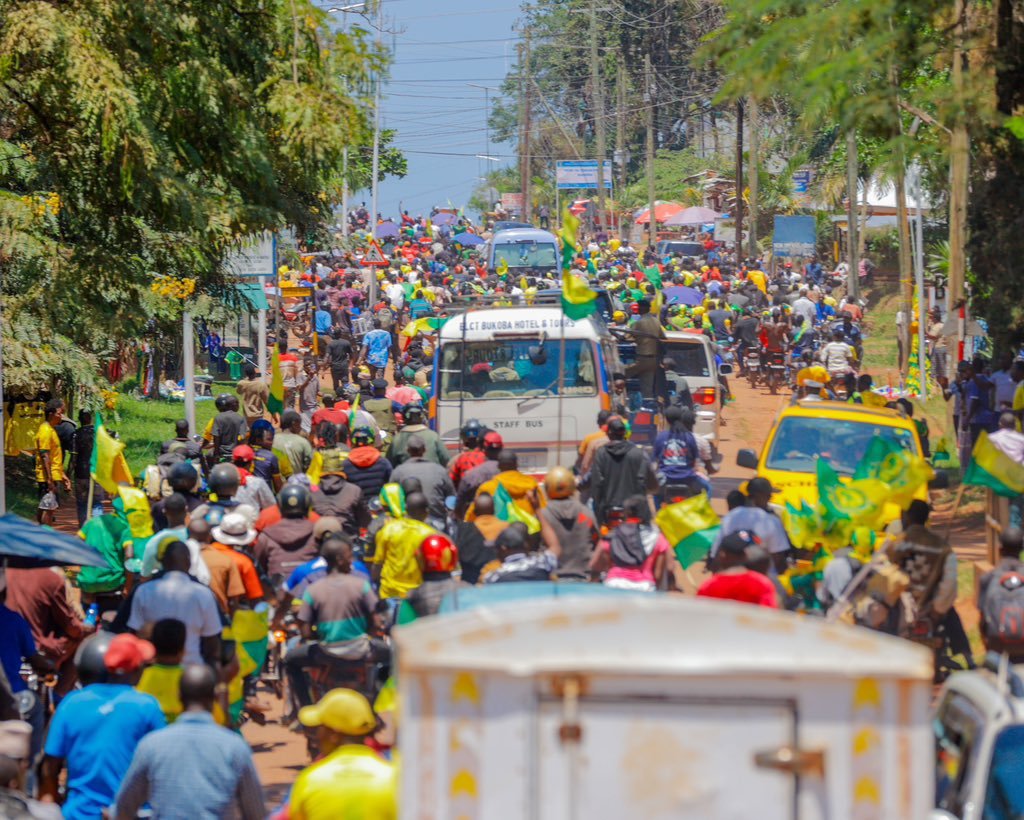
1002, 611
679, 457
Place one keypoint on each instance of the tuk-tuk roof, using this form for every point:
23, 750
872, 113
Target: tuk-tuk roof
653, 635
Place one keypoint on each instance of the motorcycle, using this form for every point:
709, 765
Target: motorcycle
776, 375
752, 365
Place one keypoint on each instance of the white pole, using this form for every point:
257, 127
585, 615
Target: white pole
189, 365
919, 265
376, 148
261, 341
344, 192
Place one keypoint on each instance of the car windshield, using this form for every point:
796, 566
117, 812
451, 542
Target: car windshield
1004, 795
688, 359
527, 254
800, 440
503, 369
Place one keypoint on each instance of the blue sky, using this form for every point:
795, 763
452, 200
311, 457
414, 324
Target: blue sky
438, 48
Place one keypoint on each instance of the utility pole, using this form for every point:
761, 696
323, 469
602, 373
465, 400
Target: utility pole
620, 132
597, 98
524, 144
375, 172
752, 173
959, 165
649, 106
739, 181
853, 278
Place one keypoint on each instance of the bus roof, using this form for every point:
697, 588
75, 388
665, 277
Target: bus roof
514, 235
528, 320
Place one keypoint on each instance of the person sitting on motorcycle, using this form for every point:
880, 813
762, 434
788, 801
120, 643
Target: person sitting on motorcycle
338, 608
851, 333
804, 337
283, 546
366, 466
635, 554
837, 356
682, 457
776, 335
438, 558
746, 333
472, 456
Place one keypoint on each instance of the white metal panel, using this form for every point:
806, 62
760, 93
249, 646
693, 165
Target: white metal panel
664, 759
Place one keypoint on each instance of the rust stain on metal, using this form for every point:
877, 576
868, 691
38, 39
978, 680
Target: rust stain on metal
597, 618
783, 625
904, 762
558, 621
486, 635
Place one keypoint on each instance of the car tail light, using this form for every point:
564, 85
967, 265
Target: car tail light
705, 395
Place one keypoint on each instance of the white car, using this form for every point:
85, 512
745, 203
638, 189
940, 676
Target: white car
694, 357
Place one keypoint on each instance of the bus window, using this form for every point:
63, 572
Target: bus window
526, 255
503, 369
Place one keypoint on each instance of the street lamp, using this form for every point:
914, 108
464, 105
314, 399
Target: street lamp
487, 89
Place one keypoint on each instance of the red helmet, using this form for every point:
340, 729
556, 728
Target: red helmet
439, 554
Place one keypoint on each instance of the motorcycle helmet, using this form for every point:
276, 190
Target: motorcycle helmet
89, 657
362, 437
619, 317
224, 480
413, 411
472, 433
559, 483
223, 402
439, 554
294, 501
183, 477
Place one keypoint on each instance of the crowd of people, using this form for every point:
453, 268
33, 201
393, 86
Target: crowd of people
340, 515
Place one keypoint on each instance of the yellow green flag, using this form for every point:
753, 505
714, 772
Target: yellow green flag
568, 235
991, 467
690, 526
507, 510
275, 403
108, 465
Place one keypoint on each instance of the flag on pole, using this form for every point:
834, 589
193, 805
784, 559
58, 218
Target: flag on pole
578, 299
690, 526
654, 276
502, 269
108, 466
505, 509
275, 402
991, 467
568, 233
353, 414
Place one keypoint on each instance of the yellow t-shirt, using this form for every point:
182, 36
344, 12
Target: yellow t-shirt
397, 544
1018, 401
163, 683
353, 782
48, 441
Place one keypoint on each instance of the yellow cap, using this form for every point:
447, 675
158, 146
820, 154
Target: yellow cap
343, 710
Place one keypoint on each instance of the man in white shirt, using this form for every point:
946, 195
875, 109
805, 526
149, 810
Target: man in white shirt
176, 595
806, 308
1004, 382
762, 523
837, 355
1007, 439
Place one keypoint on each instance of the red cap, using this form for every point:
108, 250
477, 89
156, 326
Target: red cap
243, 452
127, 653
492, 441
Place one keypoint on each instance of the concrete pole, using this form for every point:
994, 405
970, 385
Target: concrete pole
188, 347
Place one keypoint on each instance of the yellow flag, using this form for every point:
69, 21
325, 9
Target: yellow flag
109, 467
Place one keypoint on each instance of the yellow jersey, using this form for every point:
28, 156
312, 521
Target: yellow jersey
352, 782
397, 544
48, 441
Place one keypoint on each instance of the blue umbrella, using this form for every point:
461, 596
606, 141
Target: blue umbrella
386, 229
468, 240
682, 295
444, 218
28, 545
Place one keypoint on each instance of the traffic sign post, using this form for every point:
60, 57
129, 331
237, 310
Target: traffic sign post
374, 257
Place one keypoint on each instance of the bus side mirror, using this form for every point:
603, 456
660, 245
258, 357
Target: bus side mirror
538, 355
725, 369
747, 458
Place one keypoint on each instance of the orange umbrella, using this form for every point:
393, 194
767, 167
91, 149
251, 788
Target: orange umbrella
662, 211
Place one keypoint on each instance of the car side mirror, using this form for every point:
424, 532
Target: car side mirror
747, 458
940, 482
538, 355
725, 369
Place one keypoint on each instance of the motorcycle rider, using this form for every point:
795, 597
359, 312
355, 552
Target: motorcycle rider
472, 456
339, 497
567, 525
837, 356
413, 415
283, 546
438, 558
682, 458
366, 466
336, 609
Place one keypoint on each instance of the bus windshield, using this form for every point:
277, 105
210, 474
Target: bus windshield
528, 254
502, 369
801, 439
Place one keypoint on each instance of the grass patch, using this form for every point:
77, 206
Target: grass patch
141, 424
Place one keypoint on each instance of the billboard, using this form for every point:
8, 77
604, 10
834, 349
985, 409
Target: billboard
794, 236
256, 256
581, 173
512, 202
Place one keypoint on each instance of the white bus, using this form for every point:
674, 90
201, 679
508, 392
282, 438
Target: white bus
509, 369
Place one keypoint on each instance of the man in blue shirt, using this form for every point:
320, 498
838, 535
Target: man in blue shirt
194, 768
94, 731
813, 271
376, 349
